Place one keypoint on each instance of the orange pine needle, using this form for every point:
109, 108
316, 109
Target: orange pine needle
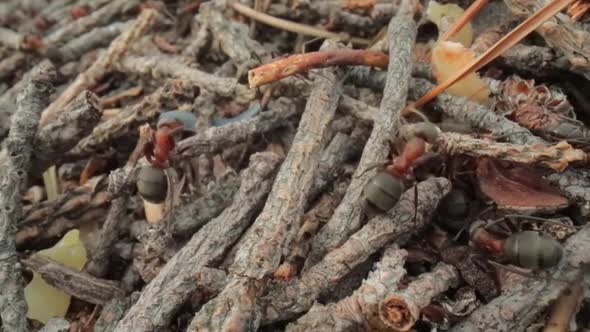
467, 16
526, 27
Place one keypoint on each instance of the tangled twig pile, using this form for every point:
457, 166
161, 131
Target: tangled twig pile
145, 186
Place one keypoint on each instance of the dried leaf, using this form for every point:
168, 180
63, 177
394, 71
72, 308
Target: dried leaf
517, 187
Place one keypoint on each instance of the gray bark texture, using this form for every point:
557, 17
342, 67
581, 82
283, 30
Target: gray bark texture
348, 215
30, 103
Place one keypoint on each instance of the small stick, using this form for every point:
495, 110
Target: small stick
564, 308
99, 261
355, 313
347, 217
556, 156
78, 284
165, 294
401, 310
413, 212
295, 27
103, 64
13, 181
299, 63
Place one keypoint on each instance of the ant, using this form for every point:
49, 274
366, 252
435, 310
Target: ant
163, 141
385, 188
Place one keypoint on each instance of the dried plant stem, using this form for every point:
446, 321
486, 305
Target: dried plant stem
99, 262
518, 307
78, 284
68, 128
215, 138
13, 181
295, 27
564, 308
347, 217
358, 311
557, 156
299, 63
400, 310
167, 292
276, 226
413, 211
103, 64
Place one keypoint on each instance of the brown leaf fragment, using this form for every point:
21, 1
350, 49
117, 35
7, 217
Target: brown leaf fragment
462, 258
517, 187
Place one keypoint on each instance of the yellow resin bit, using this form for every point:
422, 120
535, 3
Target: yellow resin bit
45, 301
444, 16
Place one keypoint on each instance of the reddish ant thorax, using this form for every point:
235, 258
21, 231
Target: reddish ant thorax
413, 150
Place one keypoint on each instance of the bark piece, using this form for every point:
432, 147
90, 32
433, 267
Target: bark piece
104, 64
166, 293
130, 118
68, 128
13, 182
276, 226
99, 260
557, 156
300, 63
168, 66
413, 211
401, 310
559, 32
357, 312
215, 138
347, 217
77, 284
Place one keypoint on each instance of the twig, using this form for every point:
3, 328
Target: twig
347, 217
113, 311
574, 184
163, 66
187, 219
213, 139
130, 118
295, 27
109, 233
401, 310
559, 32
557, 156
276, 226
56, 324
299, 63
11, 63
50, 219
342, 148
564, 308
12, 39
312, 221
413, 211
166, 292
356, 312
31, 101
68, 128
99, 17
477, 115
97, 37
233, 38
104, 64
77, 284
517, 308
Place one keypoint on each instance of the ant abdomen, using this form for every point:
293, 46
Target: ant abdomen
383, 191
529, 249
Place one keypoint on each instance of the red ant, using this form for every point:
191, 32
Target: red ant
163, 142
